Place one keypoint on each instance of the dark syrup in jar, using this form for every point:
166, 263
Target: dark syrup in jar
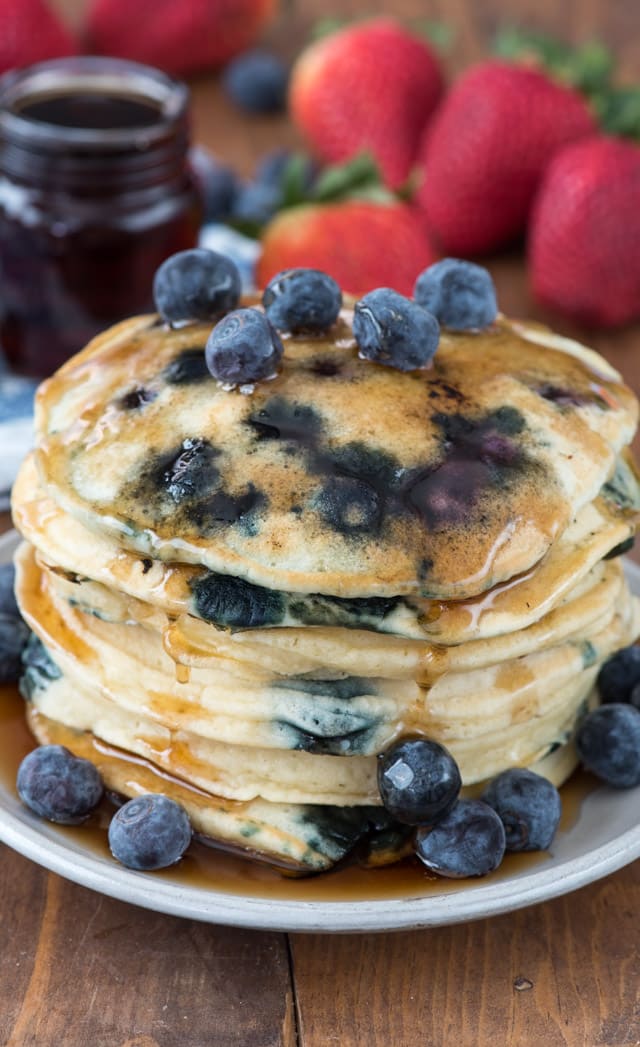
211, 868
99, 112
95, 192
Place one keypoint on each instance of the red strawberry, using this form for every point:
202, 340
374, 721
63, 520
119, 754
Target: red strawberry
31, 32
361, 244
486, 150
372, 86
584, 247
179, 36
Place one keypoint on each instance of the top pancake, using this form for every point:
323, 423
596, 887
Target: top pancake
339, 476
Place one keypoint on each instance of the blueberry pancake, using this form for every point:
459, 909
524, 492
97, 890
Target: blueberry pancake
336, 477
255, 560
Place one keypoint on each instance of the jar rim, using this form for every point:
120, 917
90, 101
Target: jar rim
92, 74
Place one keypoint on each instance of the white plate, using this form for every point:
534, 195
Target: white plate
605, 837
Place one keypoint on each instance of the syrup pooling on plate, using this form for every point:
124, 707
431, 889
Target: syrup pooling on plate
211, 868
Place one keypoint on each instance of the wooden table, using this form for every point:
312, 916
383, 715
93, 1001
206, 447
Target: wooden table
81, 970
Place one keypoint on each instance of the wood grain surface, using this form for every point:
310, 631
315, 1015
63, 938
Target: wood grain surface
81, 970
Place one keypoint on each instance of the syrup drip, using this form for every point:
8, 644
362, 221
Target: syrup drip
211, 868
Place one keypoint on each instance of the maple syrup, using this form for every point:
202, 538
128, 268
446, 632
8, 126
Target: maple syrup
211, 868
95, 192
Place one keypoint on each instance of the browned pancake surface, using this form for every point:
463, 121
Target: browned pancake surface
338, 476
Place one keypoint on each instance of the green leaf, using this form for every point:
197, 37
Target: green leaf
327, 26
354, 178
295, 189
619, 111
440, 34
588, 67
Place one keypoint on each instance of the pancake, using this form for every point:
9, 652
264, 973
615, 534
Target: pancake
243, 597
186, 589
338, 477
217, 728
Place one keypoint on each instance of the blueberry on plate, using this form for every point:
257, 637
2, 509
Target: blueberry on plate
149, 832
608, 744
619, 675
13, 631
243, 348
196, 285
418, 781
469, 841
392, 330
257, 82
302, 300
8, 602
13, 639
460, 294
528, 806
59, 786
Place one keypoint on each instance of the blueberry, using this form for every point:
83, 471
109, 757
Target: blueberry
272, 166
243, 348
136, 398
235, 603
528, 806
461, 294
218, 184
8, 602
469, 841
196, 285
619, 675
13, 631
257, 82
349, 505
13, 638
302, 300
394, 331
150, 832
255, 203
192, 471
189, 366
58, 785
621, 548
608, 743
276, 165
418, 780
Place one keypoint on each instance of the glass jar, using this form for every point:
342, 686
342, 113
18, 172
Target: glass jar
95, 192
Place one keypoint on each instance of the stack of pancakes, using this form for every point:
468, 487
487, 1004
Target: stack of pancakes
242, 597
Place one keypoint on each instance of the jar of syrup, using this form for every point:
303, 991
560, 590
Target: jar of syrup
95, 192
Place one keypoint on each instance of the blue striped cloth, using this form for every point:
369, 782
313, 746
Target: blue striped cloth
16, 394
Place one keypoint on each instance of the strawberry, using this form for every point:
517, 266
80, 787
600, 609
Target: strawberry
360, 244
584, 246
372, 86
486, 150
179, 37
31, 32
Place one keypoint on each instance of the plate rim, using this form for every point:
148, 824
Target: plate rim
26, 834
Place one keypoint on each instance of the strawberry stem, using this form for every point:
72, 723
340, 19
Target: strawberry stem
619, 111
440, 34
359, 177
588, 68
